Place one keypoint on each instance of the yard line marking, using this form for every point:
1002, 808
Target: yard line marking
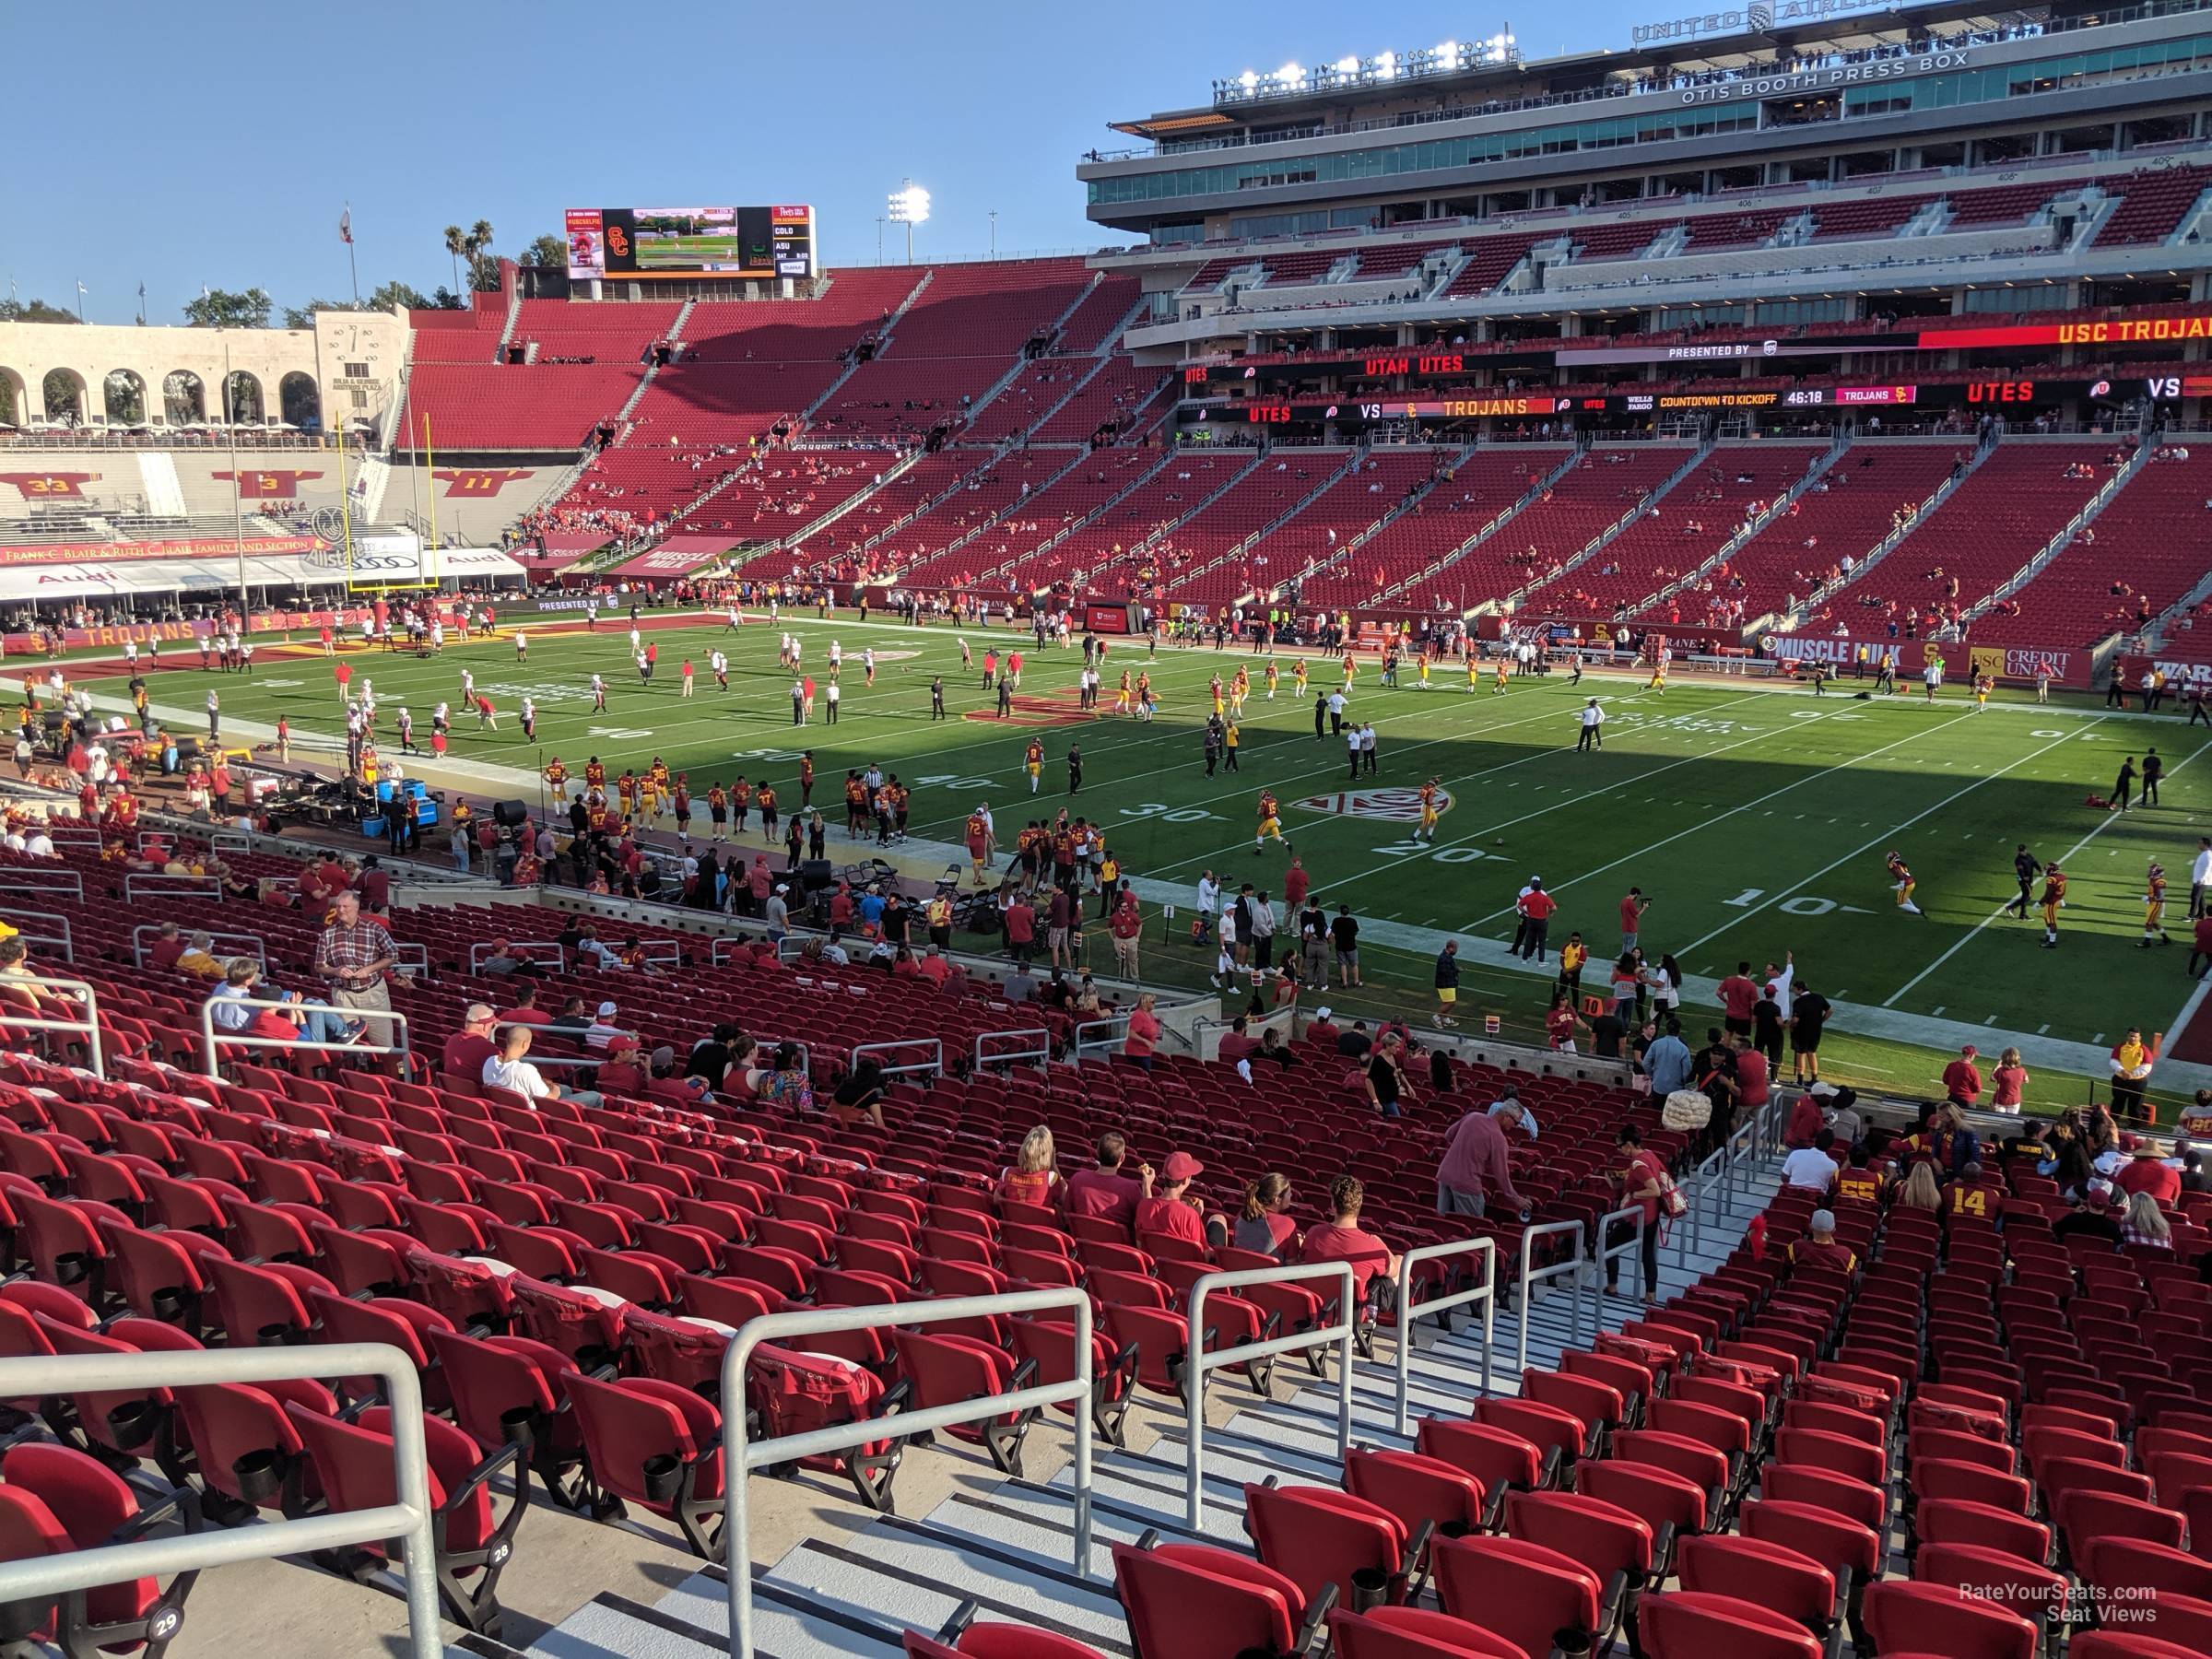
1889, 833
2103, 825
1937, 1015
1719, 818
2042, 1028
1203, 860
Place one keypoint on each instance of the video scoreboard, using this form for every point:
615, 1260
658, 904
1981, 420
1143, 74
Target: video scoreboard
655, 243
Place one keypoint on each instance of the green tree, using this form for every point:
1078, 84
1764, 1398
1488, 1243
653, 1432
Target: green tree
446, 300
482, 272
303, 316
219, 308
33, 310
456, 243
548, 252
8, 416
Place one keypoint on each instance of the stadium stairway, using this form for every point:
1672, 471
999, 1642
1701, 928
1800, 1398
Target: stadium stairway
1881, 549
1566, 463
1696, 455
1006, 1544
2064, 537
1778, 510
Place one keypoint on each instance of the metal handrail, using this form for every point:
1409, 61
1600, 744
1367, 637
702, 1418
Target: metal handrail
1197, 1361
742, 1456
1485, 1293
412, 956
410, 1520
1037, 1044
53, 884
89, 1024
1601, 1253
152, 884
260, 946
63, 939
210, 1038
523, 950
1115, 1026
1531, 1276
935, 1065
1742, 1147
1705, 1188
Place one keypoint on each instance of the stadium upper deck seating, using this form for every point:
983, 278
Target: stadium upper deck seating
486, 407
606, 333
1119, 401
1028, 398
2152, 206
964, 330
456, 336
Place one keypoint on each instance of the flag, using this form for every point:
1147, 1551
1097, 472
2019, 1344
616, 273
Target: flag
80, 291
345, 224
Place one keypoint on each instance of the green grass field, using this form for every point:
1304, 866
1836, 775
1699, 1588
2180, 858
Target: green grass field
1755, 819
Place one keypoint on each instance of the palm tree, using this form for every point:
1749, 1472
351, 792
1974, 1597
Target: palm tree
480, 236
455, 244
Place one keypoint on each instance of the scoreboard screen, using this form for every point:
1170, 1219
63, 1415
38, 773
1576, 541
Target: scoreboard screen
690, 242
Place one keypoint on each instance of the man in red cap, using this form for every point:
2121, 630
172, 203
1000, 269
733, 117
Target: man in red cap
1171, 1209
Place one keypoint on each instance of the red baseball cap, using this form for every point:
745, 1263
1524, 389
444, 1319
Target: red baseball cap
1181, 1166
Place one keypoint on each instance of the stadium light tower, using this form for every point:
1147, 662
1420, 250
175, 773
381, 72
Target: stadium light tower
908, 205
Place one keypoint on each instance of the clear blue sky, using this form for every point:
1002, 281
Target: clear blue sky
203, 144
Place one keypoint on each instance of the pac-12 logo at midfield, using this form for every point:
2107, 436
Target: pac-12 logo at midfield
1386, 806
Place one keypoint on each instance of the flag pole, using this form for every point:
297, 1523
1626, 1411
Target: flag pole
346, 507
429, 461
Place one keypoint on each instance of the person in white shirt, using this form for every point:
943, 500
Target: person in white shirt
1593, 722
2200, 875
39, 844
1811, 1167
508, 1069
1209, 895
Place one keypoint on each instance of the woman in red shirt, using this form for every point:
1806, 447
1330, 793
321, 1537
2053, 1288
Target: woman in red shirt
1560, 1021
1032, 1178
1143, 1032
1639, 1178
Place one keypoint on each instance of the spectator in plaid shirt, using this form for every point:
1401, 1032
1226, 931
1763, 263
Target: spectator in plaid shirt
353, 956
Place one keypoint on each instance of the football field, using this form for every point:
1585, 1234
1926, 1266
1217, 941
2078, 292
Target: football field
1755, 819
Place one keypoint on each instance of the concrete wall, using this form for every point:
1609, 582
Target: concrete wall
351, 358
